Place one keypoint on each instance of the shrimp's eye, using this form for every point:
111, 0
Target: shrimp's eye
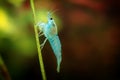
51, 18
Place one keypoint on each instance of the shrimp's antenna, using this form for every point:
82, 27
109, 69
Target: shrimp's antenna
50, 13
54, 11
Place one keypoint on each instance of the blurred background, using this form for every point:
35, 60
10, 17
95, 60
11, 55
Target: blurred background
89, 32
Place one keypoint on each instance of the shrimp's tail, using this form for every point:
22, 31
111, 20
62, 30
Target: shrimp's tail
56, 46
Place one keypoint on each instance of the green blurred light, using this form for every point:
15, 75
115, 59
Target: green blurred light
6, 24
16, 2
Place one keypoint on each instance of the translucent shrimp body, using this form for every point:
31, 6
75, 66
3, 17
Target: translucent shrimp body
49, 30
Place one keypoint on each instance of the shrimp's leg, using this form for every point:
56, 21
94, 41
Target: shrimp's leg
38, 24
41, 34
42, 45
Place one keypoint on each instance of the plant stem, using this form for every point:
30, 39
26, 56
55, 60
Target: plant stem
3, 70
38, 43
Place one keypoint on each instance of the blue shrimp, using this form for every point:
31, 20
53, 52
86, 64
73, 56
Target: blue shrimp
49, 30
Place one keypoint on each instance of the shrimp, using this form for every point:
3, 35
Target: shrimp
49, 30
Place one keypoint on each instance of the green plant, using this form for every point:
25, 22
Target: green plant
38, 43
3, 70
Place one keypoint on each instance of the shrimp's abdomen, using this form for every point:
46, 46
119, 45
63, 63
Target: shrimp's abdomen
56, 46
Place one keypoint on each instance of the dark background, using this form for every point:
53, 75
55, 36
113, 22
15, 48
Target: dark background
89, 31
